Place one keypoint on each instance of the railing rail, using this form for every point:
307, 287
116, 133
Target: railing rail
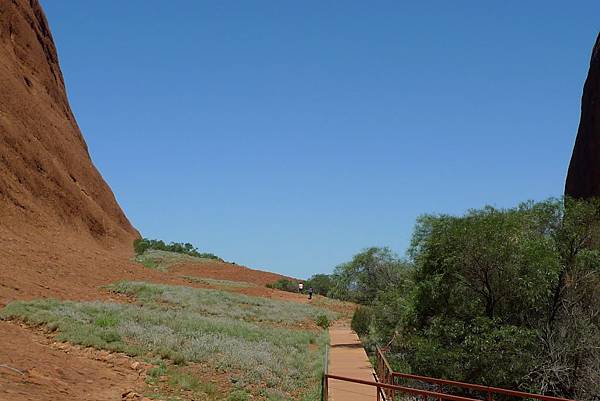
388, 387
401, 389
387, 375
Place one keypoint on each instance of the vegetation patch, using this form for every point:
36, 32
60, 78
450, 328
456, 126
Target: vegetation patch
284, 284
220, 303
163, 260
228, 332
279, 359
320, 283
218, 283
142, 245
180, 383
500, 297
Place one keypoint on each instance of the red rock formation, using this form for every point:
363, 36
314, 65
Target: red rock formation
48, 184
583, 178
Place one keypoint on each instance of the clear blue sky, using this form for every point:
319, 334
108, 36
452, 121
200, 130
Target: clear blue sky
288, 135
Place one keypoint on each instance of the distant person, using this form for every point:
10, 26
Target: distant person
310, 292
300, 287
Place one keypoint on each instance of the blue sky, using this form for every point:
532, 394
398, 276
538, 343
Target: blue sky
289, 135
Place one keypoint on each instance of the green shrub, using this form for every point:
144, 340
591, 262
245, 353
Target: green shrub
156, 372
238, 395
361, 320
141, 245
323, 321
284, 284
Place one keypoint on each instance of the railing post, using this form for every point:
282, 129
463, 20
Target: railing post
325, 389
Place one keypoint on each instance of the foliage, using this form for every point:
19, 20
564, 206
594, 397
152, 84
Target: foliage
320, 283
371, 271
163, 260
238, 395
323, 321
141, 245
361, 320
502, 297
284, 284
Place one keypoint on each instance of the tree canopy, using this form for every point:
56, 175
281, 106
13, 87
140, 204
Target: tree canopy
502, 297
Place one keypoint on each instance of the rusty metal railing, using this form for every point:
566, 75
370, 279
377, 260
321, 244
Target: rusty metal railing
425, 394
387, 375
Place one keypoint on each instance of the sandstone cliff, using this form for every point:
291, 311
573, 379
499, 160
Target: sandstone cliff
48, 184
583, 178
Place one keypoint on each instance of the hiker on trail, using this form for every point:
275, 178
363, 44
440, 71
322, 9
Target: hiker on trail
300, 287
310, 292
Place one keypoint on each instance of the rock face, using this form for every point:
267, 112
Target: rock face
583, 178
48, 184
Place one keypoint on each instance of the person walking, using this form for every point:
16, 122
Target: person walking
300, 287
310, 292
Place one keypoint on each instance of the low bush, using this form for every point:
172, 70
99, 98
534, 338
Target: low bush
283, 284
238, 395
323, 322
361, 320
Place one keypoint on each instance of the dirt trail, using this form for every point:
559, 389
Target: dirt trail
347, 357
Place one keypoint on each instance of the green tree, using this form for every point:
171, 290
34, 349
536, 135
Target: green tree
505, 297
369, 272
320, 283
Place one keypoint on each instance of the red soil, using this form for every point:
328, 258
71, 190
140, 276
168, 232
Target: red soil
226, 271
54, 371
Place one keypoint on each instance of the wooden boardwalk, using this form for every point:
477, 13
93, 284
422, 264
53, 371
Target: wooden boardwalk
348, 358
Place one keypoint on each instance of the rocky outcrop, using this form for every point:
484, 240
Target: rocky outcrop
583, 178
48, 183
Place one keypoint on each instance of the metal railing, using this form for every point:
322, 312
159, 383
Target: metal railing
387, 385
325, 383
425, 394
387, 375
380, 387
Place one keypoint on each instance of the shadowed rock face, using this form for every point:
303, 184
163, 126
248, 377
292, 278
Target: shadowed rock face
583, 178
48, 184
